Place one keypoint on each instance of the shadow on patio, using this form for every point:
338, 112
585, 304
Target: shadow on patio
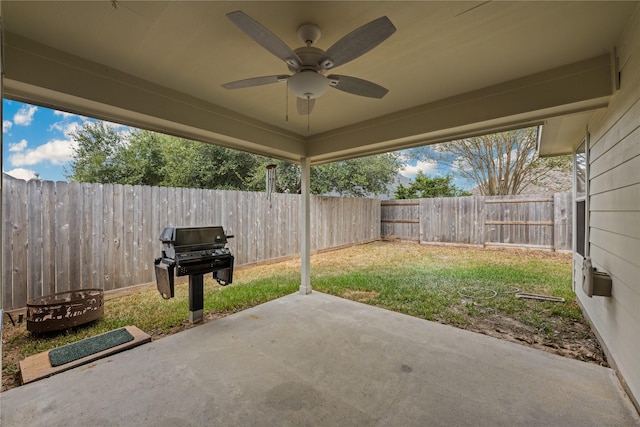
323, 360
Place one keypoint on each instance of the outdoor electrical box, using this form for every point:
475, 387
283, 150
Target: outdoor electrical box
594, 282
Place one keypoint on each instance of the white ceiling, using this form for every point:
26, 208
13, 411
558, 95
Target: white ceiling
452, 68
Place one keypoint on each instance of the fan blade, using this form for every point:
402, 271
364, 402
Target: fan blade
264, 37
305, 106
357, 43
357, 86
255, 81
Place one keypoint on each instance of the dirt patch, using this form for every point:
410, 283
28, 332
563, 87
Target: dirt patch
360, 296
569, 338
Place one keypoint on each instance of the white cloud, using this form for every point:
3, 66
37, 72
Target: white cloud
22, 173
424, 166
67, 129
24, 116
56, 152
6, 126
18, 146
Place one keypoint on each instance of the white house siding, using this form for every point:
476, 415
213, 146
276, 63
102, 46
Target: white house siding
614, 172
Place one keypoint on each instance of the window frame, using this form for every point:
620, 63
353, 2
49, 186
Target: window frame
581, 199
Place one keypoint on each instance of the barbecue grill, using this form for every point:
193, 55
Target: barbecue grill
193, 252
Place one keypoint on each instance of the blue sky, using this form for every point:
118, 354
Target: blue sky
37, 140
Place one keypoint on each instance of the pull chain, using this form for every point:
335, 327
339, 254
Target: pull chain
286, 102
308, 111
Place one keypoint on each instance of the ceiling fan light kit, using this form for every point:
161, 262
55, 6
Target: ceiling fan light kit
308, 64
308, 84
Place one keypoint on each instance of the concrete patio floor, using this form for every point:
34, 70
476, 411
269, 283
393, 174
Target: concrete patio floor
318, 360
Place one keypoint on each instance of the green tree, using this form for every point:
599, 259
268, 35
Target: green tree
426, 187
95, 155
359, 177
199, 165
141, 161
355, 177
148, 158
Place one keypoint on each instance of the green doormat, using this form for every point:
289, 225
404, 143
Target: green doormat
89, 346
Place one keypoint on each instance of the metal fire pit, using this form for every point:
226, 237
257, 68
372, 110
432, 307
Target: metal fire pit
64, 310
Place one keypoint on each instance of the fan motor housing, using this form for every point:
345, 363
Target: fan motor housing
310, 56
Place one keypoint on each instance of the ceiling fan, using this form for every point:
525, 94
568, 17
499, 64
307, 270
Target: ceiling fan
309, 64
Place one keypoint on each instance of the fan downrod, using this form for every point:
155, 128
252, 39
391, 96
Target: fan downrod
309, 33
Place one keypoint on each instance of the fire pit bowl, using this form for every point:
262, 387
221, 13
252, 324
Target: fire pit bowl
64, 310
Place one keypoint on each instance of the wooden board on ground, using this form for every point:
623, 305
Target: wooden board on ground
39, 366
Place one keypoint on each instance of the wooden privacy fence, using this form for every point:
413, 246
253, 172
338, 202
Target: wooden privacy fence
538, 221
65, 236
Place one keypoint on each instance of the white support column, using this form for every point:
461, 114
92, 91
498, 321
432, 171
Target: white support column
305, 227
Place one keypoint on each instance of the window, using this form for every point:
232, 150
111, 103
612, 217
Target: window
580, 171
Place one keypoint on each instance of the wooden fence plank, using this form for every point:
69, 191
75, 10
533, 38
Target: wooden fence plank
520, 222
62, 237
259, 227
400, 203
118, 265
148, 237
277, 225
128, 259
7, 258
292, 209
265, 250
503, 199
86, 264
20, 240
563, 221
97, 236
34, 239
108, 238
137, 226
48, 237
75, 238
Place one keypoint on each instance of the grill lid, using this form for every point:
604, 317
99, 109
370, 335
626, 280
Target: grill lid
188, 239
